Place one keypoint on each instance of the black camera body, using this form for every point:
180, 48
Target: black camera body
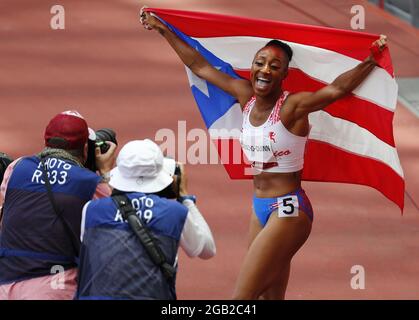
102, 135
5, 160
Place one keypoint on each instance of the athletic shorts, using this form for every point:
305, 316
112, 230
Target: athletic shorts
287, 205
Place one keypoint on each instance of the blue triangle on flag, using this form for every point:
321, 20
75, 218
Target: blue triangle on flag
213, 102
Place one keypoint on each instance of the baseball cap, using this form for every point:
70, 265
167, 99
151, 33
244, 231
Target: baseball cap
141, 167
67, 130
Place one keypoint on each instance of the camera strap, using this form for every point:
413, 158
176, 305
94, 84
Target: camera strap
70, 232
155, 252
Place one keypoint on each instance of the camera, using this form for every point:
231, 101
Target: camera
5, 160
102, 135
178, 170
178, 174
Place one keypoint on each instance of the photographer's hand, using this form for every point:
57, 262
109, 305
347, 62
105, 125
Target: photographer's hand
183, 181
106, 161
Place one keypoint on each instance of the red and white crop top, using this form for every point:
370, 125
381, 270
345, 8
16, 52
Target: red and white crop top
270, 147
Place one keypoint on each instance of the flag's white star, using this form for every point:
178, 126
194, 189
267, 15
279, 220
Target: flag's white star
196, 81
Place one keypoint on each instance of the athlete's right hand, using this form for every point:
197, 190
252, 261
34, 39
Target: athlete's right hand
149, 21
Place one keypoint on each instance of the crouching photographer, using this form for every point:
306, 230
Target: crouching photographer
44, 197
130, 240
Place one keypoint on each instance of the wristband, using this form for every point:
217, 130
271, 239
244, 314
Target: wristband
382, 58
106, 177
376, 53
187, 197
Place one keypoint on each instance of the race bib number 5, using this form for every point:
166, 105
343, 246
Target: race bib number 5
288, 206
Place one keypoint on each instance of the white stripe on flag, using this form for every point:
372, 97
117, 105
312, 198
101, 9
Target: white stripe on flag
321, 64
352, 138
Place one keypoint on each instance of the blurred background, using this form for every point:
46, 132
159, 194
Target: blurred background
407, 10
118, 75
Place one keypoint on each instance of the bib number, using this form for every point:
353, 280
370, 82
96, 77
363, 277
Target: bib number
288, 206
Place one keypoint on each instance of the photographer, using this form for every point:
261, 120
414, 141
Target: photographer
129, 246
43, 199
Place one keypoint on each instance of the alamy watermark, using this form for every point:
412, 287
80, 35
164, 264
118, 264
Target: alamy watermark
358, 20
358, 280
57, 21
219, 146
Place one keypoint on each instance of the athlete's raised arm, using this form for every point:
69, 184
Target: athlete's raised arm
238, 88
307, 102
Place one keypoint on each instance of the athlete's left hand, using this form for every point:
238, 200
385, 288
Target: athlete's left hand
376, 49
381, 43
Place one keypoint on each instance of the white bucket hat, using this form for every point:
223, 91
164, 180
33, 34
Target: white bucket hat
141, 167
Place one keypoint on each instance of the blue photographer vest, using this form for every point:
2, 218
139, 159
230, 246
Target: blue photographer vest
113, 261
33, 238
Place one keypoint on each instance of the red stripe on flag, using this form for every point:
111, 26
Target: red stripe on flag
232, 157
327, 163
368, 115
199, 24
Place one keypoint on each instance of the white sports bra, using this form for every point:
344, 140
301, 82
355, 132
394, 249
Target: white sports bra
270, 147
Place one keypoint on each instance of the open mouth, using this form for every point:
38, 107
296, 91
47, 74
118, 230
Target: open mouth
262, 82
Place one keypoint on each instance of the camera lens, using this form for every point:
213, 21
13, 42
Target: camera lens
106, 134
104, 147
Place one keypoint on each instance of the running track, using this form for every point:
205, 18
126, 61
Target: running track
118, 75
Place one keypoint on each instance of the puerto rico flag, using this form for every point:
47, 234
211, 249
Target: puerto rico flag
351, 140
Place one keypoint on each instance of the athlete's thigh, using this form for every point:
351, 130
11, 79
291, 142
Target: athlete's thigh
254, 228
271, 252
287, 234
277, 288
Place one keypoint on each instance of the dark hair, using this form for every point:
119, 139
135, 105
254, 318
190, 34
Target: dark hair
281, 45
78, 153
170, 192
